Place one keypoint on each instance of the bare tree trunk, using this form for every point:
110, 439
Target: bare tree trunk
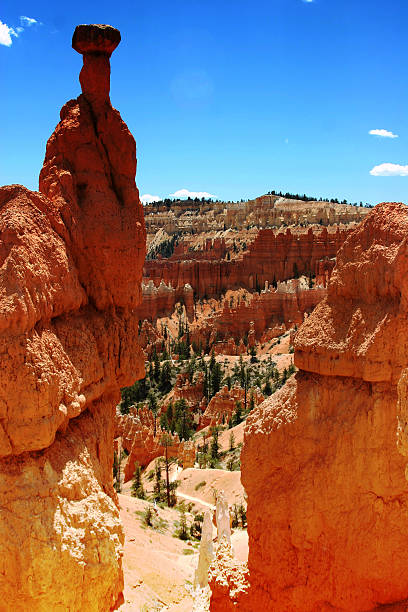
167, 479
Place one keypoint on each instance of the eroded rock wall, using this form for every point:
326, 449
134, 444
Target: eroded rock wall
327, 494
71, 262
279, 255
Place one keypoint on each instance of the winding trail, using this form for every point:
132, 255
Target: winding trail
196, 500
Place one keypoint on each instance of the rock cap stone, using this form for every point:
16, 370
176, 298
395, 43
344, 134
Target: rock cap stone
95, 38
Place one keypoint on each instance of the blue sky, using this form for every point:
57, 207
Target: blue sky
227, 97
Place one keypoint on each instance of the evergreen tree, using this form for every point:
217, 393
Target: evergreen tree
183, 419
158, 482
214, 448
183, 529
216, 378
152, 403
164, 422
133, 394
231, 463
212, 361
115, 465
169, 414
267, 388
165, 377
156, 367
167, 441
237, 416
137, 489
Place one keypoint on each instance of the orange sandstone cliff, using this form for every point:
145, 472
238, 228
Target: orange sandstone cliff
279, 255
327, 494
71, 261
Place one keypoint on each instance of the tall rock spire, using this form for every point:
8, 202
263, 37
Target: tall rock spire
96, 43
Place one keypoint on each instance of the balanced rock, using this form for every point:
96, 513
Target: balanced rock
95, 38
96, 43
70, 274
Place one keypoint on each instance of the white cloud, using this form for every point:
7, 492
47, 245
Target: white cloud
308, 1
185, 193
27, 21
389, 170
5, 34
148, 199
383, 133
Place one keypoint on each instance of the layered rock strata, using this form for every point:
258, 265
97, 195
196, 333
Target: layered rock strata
327, 494
161, 301
71, 262
272, 255
256, 315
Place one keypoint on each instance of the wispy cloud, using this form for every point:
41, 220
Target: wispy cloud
383, 133
6, 33
185, 193
389, 170
308, 1
27, 21
148, 199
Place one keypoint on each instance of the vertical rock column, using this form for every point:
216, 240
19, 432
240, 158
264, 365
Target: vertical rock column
206, 553
223, 518
70, 276
96, 43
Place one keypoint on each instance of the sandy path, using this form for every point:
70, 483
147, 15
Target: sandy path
196, 500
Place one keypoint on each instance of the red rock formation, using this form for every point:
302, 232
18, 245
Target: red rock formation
256, 315
161, 301
187, 454
228, 581
223, 405
141, 439
192, 392
222, 347
272, 255
323, 270
327, 494
71, 260
150, 339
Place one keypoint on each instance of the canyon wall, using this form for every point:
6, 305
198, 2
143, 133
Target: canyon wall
71, 262
257, 313
327, 494
271, 255
160, 301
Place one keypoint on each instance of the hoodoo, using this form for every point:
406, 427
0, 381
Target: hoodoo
327, 494
71, 261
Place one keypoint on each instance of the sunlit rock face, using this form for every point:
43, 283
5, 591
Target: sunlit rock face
71, 262
327, 494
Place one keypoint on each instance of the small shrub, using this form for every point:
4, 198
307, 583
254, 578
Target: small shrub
182, 532
148, 517
199, 485
196, 526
